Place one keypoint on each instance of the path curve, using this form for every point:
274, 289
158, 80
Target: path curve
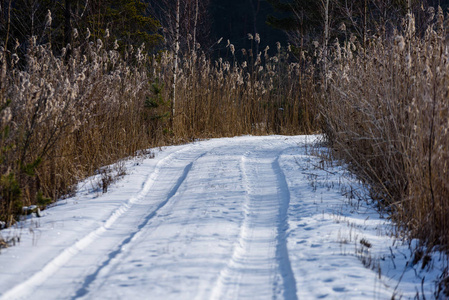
209, 222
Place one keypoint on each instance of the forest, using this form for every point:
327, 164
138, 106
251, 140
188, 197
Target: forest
85, 83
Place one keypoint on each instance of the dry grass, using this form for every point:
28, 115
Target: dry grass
386, 113
63, 117
254, 94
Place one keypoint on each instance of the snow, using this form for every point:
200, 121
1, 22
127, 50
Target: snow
232, 218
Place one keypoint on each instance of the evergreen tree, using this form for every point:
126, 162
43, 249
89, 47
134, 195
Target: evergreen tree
27, 18
194, 22
307, 12
303, 20
126, 20
234, 19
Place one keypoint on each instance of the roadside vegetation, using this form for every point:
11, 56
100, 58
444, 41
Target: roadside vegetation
386, 113
379, 96
67, 112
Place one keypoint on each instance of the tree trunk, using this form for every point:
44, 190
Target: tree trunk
326, 40
255, 12
365, 25
175, 63
68, 25
5, 61
195, 23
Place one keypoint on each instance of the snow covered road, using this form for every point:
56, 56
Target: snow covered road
236, 218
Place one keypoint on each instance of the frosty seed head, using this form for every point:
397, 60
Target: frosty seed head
48, 19
399, 42
99, 44
258, 60
250, 36
231, 48
239, 79
15, 59
7, 115
440, 19
257, 38
81, 76
33, 40
266, 52
430, 14
352, 38
410, 24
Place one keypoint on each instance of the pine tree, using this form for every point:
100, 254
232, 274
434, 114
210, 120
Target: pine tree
307, 12
126, 20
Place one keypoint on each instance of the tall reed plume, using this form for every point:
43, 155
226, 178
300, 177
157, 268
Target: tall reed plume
65, 116
386, 113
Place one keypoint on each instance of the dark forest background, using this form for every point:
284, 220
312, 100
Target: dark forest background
153, 22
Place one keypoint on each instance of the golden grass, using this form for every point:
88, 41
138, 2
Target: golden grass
386, 113
64, 117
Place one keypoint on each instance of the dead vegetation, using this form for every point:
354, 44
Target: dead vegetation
383, 110
65, 116
386, 114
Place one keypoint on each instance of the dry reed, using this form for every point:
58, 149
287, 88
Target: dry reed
65, 116
386, 113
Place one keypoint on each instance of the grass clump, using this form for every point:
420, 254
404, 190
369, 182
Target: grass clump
65, 114
386, 113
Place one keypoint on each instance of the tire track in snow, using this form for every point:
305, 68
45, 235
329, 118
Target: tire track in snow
227, 277
285, 267
208, 174
260, 257
25, 288
89, 279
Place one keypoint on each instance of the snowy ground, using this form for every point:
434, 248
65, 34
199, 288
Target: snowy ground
236, 218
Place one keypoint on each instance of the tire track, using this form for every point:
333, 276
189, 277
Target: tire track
227, 279
263, 232
259, 267
114, 255
285, 267
25, 288
189, 232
